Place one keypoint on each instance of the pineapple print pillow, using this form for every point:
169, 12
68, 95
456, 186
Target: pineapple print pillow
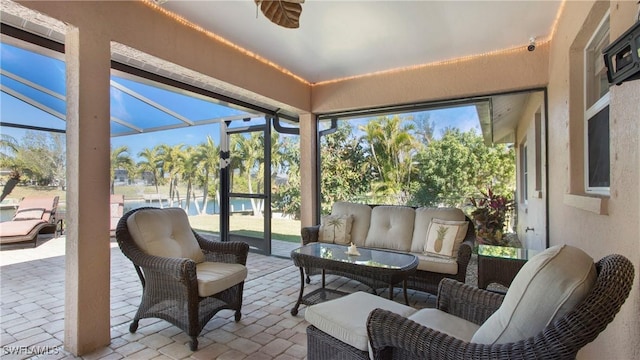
335, 229
444, 237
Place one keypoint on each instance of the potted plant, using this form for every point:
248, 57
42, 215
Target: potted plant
490, 215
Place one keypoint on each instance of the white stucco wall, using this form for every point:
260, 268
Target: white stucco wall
618, 231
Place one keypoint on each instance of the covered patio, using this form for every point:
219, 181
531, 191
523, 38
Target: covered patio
80, 303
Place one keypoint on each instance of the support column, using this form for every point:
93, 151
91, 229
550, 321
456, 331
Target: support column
308, 169
87, 261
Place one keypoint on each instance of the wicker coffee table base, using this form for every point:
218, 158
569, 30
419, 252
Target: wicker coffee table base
315, 297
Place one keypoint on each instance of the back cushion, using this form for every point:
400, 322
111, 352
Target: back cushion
423, 221
548, 286
391, 228
31, 214
42, 206
361, 214
165, 233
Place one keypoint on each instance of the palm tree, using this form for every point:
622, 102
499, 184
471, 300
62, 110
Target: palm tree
9, 148
188, 167
279, 156
120, 159
248, 153
372, 132
209, 155
172, 157
392, 148
151, 164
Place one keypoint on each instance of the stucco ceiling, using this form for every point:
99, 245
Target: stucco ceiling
338, 39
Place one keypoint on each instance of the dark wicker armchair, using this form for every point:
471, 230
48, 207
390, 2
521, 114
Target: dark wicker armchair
170, 284
395, 337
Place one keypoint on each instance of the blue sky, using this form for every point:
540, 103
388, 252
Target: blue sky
49, 73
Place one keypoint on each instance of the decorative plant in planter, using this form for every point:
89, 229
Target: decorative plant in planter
490, 215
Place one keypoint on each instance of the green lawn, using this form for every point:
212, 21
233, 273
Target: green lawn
281, 229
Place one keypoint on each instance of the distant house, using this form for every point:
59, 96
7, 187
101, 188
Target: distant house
121, 177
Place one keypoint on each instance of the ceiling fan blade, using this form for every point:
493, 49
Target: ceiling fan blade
282, 12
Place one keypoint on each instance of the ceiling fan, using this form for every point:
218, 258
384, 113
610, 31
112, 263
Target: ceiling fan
285, 13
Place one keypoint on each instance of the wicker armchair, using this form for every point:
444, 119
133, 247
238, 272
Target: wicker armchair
171, 284
395, 337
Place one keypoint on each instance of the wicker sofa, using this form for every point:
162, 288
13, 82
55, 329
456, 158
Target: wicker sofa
405, 229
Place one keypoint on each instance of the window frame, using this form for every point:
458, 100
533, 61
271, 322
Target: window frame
524, 172
591, 111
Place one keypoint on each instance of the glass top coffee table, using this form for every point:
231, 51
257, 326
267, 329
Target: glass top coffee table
374, 268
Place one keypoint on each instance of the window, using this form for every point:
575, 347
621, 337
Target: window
538, 151
596, 129
420, 155
524, 164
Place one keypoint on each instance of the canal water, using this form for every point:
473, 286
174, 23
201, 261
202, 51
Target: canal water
7, 212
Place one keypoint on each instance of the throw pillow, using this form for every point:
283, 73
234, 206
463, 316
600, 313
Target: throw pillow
335, 229
444, 237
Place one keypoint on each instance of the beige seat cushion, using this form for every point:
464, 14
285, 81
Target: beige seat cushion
165, 233
548, 286
446, 323
436, 264
346, 318
33, 208
335, 229
214, 277
19, 228
361, 214
391, 228
424, 215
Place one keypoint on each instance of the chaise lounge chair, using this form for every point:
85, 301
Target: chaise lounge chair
35, 215
117, 210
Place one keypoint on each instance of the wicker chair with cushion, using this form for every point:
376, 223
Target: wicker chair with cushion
186, 279
573, 326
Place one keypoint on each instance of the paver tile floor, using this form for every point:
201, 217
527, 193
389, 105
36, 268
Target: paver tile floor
32, 311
